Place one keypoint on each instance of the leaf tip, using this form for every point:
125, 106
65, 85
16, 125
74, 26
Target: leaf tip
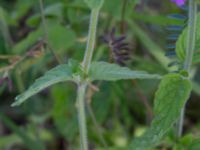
14, 104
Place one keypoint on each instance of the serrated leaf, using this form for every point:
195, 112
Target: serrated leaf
94, 4
60, 73
181, 43
112, 72
170, 98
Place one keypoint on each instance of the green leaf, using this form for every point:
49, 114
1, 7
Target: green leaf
173, 92
94, 4
195, 144
64, 114
186, 140
53, 11
60, 73
181, 44
30, 40
59, 37
4, 29
113, 72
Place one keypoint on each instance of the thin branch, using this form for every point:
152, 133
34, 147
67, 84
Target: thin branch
123, 13
44, 26
19, 59
143, 98
90, 92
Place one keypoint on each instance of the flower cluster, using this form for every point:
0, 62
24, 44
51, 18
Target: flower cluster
119, 48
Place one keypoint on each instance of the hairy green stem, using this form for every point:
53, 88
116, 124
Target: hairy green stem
82, 86
192, 25
91, 40
81, 116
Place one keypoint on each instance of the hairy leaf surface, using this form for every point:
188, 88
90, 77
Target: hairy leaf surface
170, 98
60, 73
113, 72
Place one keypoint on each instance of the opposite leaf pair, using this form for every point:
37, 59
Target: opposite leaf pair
72, 72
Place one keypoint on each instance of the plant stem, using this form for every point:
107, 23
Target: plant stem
83, 85
81, 116
192, 24
122, 25
91, 40
44, 26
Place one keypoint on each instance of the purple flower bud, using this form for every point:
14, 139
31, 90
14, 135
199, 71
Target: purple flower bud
119, 48
179, 2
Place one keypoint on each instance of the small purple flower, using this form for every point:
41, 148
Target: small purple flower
179, 2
